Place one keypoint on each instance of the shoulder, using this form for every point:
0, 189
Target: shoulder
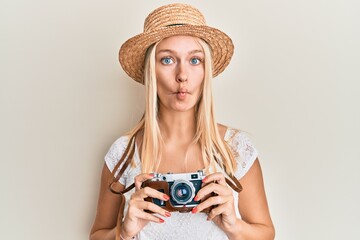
114, 155
115, 151
239, 142
118, 147
242, 149
229, 133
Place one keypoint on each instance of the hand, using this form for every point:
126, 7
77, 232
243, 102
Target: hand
136, 217
223, 213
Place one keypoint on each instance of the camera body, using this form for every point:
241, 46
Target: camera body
181, 187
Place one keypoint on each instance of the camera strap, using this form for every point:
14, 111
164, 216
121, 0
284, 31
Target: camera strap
116, 188
234, 182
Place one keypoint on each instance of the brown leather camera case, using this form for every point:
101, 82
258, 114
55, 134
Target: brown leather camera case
164, 185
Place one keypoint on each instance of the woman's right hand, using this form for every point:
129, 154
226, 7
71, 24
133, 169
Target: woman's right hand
136, 217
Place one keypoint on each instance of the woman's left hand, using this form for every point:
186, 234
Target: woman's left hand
223, 211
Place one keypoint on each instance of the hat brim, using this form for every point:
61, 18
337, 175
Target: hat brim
132, 52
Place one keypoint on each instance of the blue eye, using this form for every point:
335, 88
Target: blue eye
195, 61
167, 60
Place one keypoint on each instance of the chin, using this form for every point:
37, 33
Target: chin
184, 109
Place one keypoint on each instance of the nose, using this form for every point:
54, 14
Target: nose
181, 73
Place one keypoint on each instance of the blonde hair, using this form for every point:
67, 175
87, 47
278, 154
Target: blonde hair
213, 147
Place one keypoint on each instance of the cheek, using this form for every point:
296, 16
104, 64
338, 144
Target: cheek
200, 79
160, 87
199, 74
163, 86
162, 75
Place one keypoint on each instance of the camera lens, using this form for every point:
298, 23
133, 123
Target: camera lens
182, 191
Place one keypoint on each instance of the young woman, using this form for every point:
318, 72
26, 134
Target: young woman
176, 58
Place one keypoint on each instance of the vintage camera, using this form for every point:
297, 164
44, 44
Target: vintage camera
181, 187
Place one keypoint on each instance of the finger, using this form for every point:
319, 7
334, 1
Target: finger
212, 201
149, 192
139, 179
215, 177
136, 213
212, 188
152, 207
220, 210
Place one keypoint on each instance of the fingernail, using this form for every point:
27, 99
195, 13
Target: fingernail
151, 175
194, 210
196, 198
166, 197
204, 179
161, 220
208, 218
167, 214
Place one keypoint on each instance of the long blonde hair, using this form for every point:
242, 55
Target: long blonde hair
213, 147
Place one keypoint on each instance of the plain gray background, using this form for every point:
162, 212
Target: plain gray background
293, 85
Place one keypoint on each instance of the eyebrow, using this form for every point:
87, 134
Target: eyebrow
172, 51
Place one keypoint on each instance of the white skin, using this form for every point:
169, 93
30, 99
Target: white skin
180, 73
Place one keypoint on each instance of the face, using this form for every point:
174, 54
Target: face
179, 66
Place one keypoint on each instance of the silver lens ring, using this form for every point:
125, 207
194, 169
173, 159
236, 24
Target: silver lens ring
175, 188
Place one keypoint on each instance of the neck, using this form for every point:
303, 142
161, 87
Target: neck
179, 126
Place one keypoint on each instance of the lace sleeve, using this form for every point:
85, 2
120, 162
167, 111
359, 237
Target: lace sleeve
114, 154
244, 151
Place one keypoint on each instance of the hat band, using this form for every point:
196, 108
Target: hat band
175, 24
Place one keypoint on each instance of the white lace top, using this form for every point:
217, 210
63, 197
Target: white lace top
184, 225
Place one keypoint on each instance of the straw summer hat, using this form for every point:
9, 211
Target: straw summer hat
170, 20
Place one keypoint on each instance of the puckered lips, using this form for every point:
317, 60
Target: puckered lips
181, 93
